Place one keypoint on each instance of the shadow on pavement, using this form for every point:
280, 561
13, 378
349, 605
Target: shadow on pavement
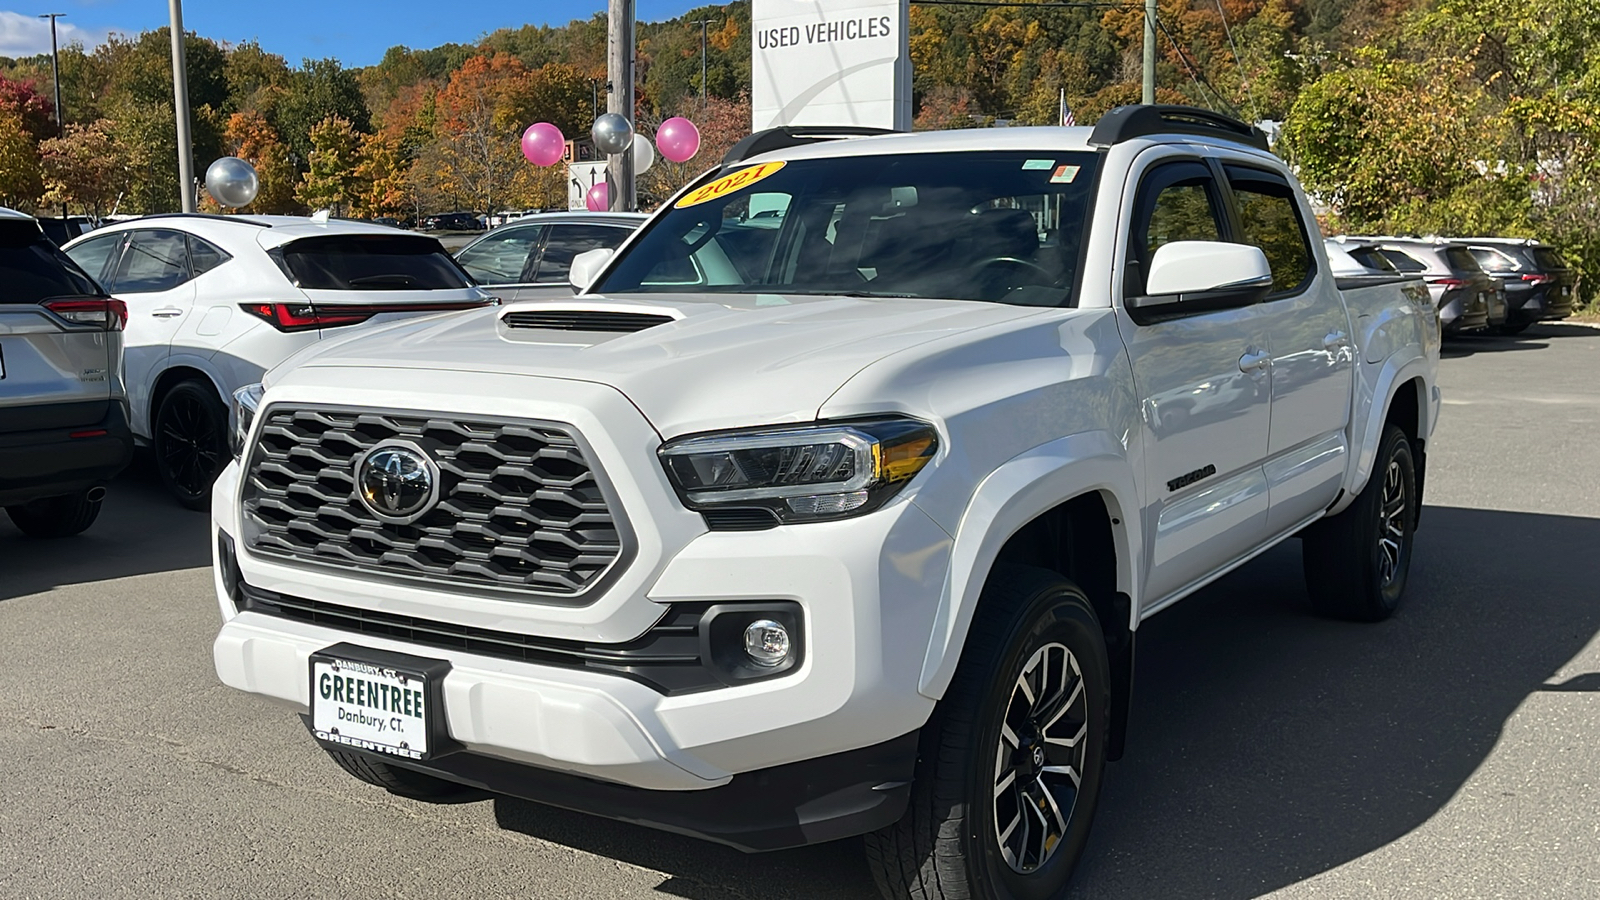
1537, 337
141, 530
1267, 745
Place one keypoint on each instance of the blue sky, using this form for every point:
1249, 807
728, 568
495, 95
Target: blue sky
357, 32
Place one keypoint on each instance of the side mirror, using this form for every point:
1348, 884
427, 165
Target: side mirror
1200, 275
586, 267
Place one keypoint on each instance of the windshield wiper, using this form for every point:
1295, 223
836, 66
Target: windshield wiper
381, 281
854, 293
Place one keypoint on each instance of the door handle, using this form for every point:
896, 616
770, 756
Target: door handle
166, 312
1335, 341
1255, 361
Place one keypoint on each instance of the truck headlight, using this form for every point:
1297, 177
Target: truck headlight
246, 401
807, 473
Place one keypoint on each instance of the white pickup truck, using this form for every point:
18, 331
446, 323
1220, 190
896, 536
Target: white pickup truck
832, 504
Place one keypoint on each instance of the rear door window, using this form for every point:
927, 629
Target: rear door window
1405, 262
32, 269
203, 257
97, 254
504, 257
156, 260
375, 262
1461, 260
563, 242
1270, 219
1371, 257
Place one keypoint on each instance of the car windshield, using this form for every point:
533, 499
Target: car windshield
995, 226
370, 262
32, 269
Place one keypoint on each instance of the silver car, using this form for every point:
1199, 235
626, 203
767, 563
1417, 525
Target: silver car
529, 258
63, 411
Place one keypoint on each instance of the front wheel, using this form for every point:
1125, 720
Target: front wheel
1357, 562
191, 442
1012, 761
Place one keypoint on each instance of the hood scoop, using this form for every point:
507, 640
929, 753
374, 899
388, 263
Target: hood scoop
589, 319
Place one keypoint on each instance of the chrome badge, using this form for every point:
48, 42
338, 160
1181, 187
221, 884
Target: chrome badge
398, 483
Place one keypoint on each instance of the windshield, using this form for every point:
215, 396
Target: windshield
996, 226
370, 262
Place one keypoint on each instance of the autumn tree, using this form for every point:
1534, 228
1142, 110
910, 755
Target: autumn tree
331, 181
19, 162
381, 174
87, 167
252, 138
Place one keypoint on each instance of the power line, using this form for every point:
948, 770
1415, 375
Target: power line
1196, 76
1249, 94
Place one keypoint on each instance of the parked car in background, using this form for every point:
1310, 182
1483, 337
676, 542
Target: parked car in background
390, 221
1355, 259
63, 411
456, 221
1538, 282
214, 301
61, 230
1467, 298
530, 257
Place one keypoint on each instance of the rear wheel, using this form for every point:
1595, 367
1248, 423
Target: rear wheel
400, 781
191, 442
1515, 326
1012, 761
56, 517
1356, 563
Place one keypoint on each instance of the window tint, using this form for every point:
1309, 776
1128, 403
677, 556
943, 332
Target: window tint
1460, 260
375, 262
32, 269
502, 257
563, 242
1403, 261
95, 254
999, 226
154, 261
1371, 257
204, 257
1547, 258
1177, 202
1270, 219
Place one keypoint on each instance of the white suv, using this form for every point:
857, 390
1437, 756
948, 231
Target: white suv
840, 521
215, 301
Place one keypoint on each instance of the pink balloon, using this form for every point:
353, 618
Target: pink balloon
543, 144
678, 139
599, 198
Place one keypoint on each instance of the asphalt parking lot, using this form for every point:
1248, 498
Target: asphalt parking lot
1451, 752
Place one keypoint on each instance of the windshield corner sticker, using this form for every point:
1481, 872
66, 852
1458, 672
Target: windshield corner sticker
1064, 174
1038, 164
727, 184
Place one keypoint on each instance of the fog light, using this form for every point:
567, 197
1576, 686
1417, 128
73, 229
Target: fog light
766, 642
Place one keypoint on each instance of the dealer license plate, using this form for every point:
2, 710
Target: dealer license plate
370, 706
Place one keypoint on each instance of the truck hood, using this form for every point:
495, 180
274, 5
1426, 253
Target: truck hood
718, 362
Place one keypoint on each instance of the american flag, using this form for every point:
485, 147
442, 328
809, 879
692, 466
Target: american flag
1067, 119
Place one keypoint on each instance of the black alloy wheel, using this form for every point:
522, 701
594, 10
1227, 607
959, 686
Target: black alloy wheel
1357, 562
1013, 759
191, 442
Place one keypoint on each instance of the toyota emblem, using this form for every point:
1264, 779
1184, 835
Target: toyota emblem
397, 482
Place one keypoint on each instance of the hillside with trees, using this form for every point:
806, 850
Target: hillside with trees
1400, 115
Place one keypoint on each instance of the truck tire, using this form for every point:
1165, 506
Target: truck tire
1356, 562
191, 441
56, 517
400, 781
1012, 761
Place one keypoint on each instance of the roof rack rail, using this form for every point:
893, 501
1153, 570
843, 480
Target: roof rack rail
212, 216
1128, 122
794, 136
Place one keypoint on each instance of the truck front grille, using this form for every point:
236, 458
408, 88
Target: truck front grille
519, 506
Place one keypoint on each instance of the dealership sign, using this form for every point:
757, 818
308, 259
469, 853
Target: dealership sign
830, 62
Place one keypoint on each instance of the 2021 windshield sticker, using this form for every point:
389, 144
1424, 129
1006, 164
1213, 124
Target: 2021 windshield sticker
727, 184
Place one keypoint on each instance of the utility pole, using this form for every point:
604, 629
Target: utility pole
55, 76
619, 98
180, 105
1149, 95
702, 23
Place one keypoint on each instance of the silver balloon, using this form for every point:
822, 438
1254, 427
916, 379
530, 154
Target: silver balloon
612, 133
232, 182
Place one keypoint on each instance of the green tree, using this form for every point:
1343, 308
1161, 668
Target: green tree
87, 167
320, 89
331, 180
19, 162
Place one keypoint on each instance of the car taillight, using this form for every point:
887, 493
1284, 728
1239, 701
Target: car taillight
303, 316
107, 312
1538, 279
1448, 282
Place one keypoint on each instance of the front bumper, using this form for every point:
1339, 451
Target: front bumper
867, 589
52, 463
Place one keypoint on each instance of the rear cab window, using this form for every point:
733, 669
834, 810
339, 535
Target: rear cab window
376, 262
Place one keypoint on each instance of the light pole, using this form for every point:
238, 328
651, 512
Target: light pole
55, 76
619, 97
180, 104
702, 23
1149, 93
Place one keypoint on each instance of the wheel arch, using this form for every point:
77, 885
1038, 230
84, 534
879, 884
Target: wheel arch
1068, 506
170, 378
1404, 389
